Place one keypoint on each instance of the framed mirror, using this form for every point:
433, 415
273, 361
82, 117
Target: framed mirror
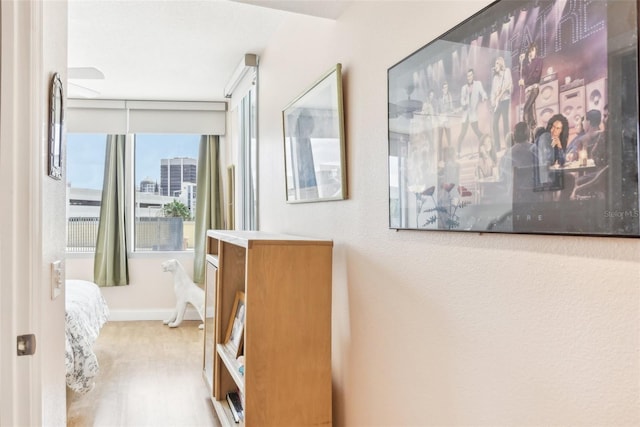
314, 142
56, 121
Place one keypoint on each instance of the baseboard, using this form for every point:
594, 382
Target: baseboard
160, 314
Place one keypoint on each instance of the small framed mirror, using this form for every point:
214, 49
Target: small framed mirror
314, 142
56, 121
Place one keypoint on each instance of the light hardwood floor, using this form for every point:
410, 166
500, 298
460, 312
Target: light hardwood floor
150, 375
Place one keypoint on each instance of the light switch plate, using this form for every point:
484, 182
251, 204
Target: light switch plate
56, 279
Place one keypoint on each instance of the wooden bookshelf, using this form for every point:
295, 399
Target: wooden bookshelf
287, 334
211, 272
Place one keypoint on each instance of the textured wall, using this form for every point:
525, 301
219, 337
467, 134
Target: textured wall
150, 293
50, 313
436, 328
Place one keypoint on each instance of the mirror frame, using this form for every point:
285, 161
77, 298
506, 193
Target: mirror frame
315, 105
56, 124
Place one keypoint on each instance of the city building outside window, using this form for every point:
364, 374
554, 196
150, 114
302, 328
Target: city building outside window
163, 173
164, 218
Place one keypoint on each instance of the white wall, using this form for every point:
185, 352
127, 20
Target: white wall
150, 294
52, 215
437, 328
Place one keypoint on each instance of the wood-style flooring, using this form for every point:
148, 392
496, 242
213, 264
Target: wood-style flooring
150, 375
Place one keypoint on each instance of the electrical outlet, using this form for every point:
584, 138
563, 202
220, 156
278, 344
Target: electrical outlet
56, 279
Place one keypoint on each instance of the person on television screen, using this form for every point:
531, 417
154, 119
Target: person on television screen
501, 88
449, 168
531, 72
589, 138
429, 116
486, 158
594, 182
445, 108
521, 152
518, 159
470, 96
578, 130
549, 153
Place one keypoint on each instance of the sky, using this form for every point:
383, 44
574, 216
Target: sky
85, 156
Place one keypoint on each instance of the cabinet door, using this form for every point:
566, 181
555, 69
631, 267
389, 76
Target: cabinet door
209, 326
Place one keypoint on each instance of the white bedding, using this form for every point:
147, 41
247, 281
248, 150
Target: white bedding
86, 312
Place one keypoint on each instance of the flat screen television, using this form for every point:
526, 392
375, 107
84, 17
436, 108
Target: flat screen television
521, 119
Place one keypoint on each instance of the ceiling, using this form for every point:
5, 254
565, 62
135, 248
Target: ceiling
171, 49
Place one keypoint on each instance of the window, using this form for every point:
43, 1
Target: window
85, 173
162, 146
163, 174
244, 133
166, 168
248, 161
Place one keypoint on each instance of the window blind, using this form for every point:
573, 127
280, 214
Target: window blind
123, 117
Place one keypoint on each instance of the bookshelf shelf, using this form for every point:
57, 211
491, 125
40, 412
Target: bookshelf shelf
231, 365
211, 267
224, 414
286, 281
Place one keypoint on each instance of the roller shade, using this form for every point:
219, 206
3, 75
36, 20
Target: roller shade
122, 117
93, 116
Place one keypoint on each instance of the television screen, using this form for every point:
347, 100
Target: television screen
521, 119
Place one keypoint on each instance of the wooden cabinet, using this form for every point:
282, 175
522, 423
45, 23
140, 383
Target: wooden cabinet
286, 281
211, 273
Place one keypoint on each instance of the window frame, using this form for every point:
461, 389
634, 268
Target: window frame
130, 205
130, 117
248, 159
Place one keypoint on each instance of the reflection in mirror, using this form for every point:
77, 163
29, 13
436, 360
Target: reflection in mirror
56, 112
314, 142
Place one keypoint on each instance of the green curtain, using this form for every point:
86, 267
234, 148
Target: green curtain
110, 264
208, 200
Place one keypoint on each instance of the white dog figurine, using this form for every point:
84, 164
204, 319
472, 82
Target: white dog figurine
186, 291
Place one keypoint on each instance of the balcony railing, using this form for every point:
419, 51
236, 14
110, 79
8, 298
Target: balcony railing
151, 234
82, 234
159, 234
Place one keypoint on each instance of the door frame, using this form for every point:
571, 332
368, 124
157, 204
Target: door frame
20, 219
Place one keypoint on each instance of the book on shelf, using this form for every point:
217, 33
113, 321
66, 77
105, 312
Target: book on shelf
240, 361
235, 405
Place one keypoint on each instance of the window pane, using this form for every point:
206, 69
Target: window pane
85, 173
248, 161
165, 198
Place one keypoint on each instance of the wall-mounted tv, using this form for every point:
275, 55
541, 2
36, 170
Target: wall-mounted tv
521, 119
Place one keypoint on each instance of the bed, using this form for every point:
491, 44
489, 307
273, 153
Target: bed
85, 313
